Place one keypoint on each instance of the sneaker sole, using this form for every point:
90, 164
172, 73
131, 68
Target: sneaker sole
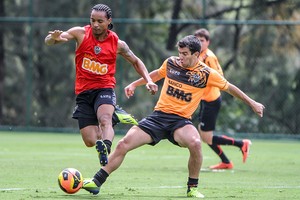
91, 190
102, 151
94, 192
221, 167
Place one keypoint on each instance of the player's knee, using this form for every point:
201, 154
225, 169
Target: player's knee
196, 144
105, 120
89, 143
205, 140
206, 137
122, 146
89, 135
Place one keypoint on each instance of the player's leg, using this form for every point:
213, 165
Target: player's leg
208, 116
149, 131
103, 102
103, 146
193, 143
119, 116
207, 137
243, 145
90, 131
87, 119
134, 138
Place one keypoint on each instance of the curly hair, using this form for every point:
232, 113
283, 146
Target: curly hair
107, 10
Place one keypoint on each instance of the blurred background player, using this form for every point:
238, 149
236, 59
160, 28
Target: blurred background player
95, 58
209, 110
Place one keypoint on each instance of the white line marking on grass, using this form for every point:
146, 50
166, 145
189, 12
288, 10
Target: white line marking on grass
216, 170
162, 187
282, 187
168, 187
11, 189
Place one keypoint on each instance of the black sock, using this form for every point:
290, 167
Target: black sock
192, 182
218, 150
108, 145
100, 177
225, 140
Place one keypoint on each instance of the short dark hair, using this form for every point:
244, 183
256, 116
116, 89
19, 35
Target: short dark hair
107, 10
202, 32
190, 42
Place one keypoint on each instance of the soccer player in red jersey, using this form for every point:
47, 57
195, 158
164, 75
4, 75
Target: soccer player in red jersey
97, 47
209, 108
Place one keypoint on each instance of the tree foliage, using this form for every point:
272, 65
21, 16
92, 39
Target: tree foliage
261, 58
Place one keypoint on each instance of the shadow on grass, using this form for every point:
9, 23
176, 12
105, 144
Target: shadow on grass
79, 196
113, 196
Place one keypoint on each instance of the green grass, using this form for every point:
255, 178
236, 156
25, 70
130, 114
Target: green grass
31, 162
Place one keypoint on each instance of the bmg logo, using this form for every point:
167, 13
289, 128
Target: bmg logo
179, 94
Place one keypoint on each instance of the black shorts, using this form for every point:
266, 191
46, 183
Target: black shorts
88, 102
160, 125
208, 114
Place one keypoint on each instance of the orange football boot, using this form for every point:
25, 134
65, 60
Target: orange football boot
222, 165
246, 149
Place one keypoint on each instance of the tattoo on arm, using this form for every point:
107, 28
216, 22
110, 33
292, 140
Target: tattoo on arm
125, 50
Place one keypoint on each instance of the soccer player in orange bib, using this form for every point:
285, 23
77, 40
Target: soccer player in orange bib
186, 79
209, 108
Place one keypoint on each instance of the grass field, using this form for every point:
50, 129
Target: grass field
31, 162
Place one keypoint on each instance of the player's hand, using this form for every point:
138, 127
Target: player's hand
258, 108
57, 35
152, 87
129, 90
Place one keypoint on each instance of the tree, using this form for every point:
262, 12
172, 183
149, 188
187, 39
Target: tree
2, 67
262, 59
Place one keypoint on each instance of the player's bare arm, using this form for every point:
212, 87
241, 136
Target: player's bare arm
129, 90
257, 107
58, 36
124, 50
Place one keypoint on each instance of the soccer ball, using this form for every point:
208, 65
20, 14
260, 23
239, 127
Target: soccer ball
70, 180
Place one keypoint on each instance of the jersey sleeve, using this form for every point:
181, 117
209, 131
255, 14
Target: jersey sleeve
162, 71
217, 80
212, 62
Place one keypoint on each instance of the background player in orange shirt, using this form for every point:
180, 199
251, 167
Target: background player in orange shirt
96, 52
185, 80
209, 110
